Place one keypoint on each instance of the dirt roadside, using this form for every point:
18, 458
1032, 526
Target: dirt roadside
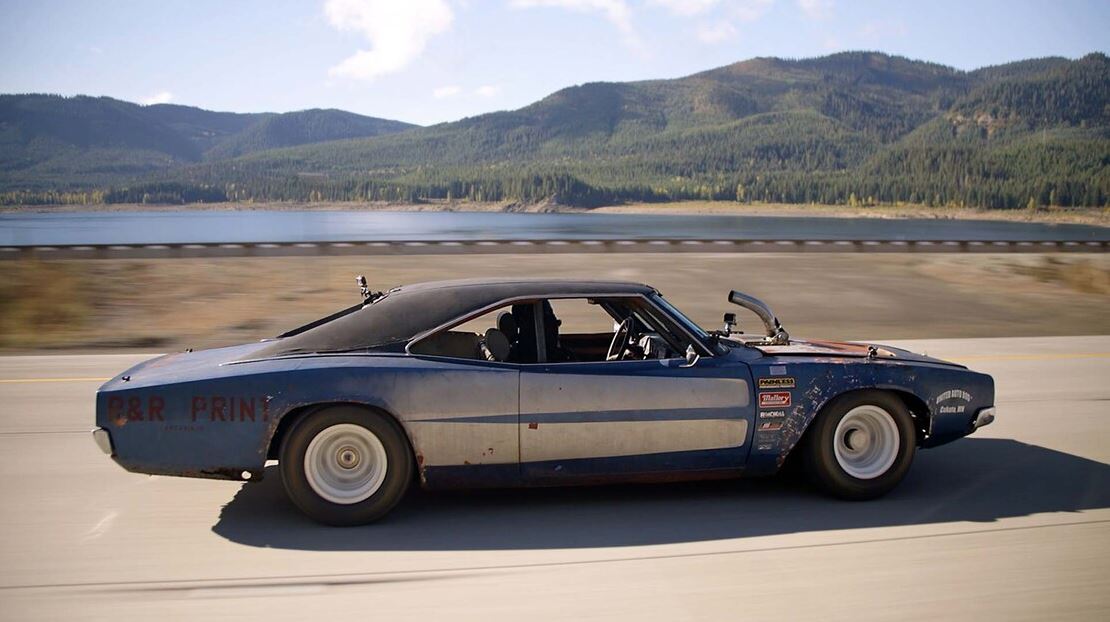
168, 304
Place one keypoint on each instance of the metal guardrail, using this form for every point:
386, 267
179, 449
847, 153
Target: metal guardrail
442, 247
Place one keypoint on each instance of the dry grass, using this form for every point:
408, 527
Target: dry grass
1081, 275
41, 304
167, 304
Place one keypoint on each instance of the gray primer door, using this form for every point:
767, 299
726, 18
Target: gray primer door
608, 420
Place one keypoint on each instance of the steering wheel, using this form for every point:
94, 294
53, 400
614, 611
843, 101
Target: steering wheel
622, 337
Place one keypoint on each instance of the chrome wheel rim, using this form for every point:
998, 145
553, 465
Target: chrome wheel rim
345, 463
866, 442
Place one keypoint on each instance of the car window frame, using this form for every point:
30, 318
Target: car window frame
663, 315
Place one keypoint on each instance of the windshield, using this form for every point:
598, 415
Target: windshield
679, 317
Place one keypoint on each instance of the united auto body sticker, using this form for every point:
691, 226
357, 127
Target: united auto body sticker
948, 403
777, 399
781, 382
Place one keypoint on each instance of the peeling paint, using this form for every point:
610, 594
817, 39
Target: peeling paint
468, 414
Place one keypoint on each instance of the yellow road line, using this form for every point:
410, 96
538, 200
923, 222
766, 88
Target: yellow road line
1033, 357
22, 380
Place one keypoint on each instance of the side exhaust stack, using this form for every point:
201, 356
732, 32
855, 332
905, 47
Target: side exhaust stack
775, 334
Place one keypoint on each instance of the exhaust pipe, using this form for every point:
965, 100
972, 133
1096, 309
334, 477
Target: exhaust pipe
775, 335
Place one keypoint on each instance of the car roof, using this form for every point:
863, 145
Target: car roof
407, 311
517, 286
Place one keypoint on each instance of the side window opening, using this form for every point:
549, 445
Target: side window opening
607, 329
560, 330
505, 334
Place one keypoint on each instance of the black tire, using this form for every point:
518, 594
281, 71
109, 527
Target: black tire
819, 452
398, 469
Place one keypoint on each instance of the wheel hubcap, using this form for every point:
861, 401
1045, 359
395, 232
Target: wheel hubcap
867, 441
348, 457
345, 463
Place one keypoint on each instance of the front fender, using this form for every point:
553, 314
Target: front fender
801, 389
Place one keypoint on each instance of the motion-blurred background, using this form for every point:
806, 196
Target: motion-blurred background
195, 174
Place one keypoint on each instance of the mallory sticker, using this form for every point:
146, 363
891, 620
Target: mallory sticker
781, 382
778, 399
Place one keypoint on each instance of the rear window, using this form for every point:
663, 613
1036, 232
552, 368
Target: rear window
394, 319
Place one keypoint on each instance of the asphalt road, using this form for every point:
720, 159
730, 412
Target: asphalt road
1012, 523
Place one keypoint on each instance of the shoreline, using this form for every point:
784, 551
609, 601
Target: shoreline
1083, 216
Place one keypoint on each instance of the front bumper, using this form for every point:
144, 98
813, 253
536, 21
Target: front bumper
103, 440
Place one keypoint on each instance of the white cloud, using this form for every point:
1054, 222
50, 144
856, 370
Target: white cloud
750, 10
816, 9
161, 97
617, 12
398, 31
723, 25
446, 91
687, 8
715, 32
487, 90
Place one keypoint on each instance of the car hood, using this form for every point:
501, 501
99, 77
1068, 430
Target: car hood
841, 349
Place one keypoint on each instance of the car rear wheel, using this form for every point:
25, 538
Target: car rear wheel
345, 465
860, 446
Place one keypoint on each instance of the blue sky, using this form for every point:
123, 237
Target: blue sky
427, 61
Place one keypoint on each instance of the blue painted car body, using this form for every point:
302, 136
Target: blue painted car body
738, 410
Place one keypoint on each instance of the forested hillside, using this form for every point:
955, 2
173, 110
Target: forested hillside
854, 127
48, 142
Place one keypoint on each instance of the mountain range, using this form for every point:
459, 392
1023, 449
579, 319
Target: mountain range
851, 127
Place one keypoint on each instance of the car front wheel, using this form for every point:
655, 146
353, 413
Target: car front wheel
860, 446
345, 465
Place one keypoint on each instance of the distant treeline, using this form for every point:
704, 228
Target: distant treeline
566, 189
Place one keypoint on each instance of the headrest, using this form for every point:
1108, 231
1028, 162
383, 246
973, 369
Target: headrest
506, 323
497, 345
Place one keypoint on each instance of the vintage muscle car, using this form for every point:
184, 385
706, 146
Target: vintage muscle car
513, 382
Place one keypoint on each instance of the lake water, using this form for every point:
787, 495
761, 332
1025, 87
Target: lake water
184, 227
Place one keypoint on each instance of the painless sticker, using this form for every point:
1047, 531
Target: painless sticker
777, 399
783, 382
772, 414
